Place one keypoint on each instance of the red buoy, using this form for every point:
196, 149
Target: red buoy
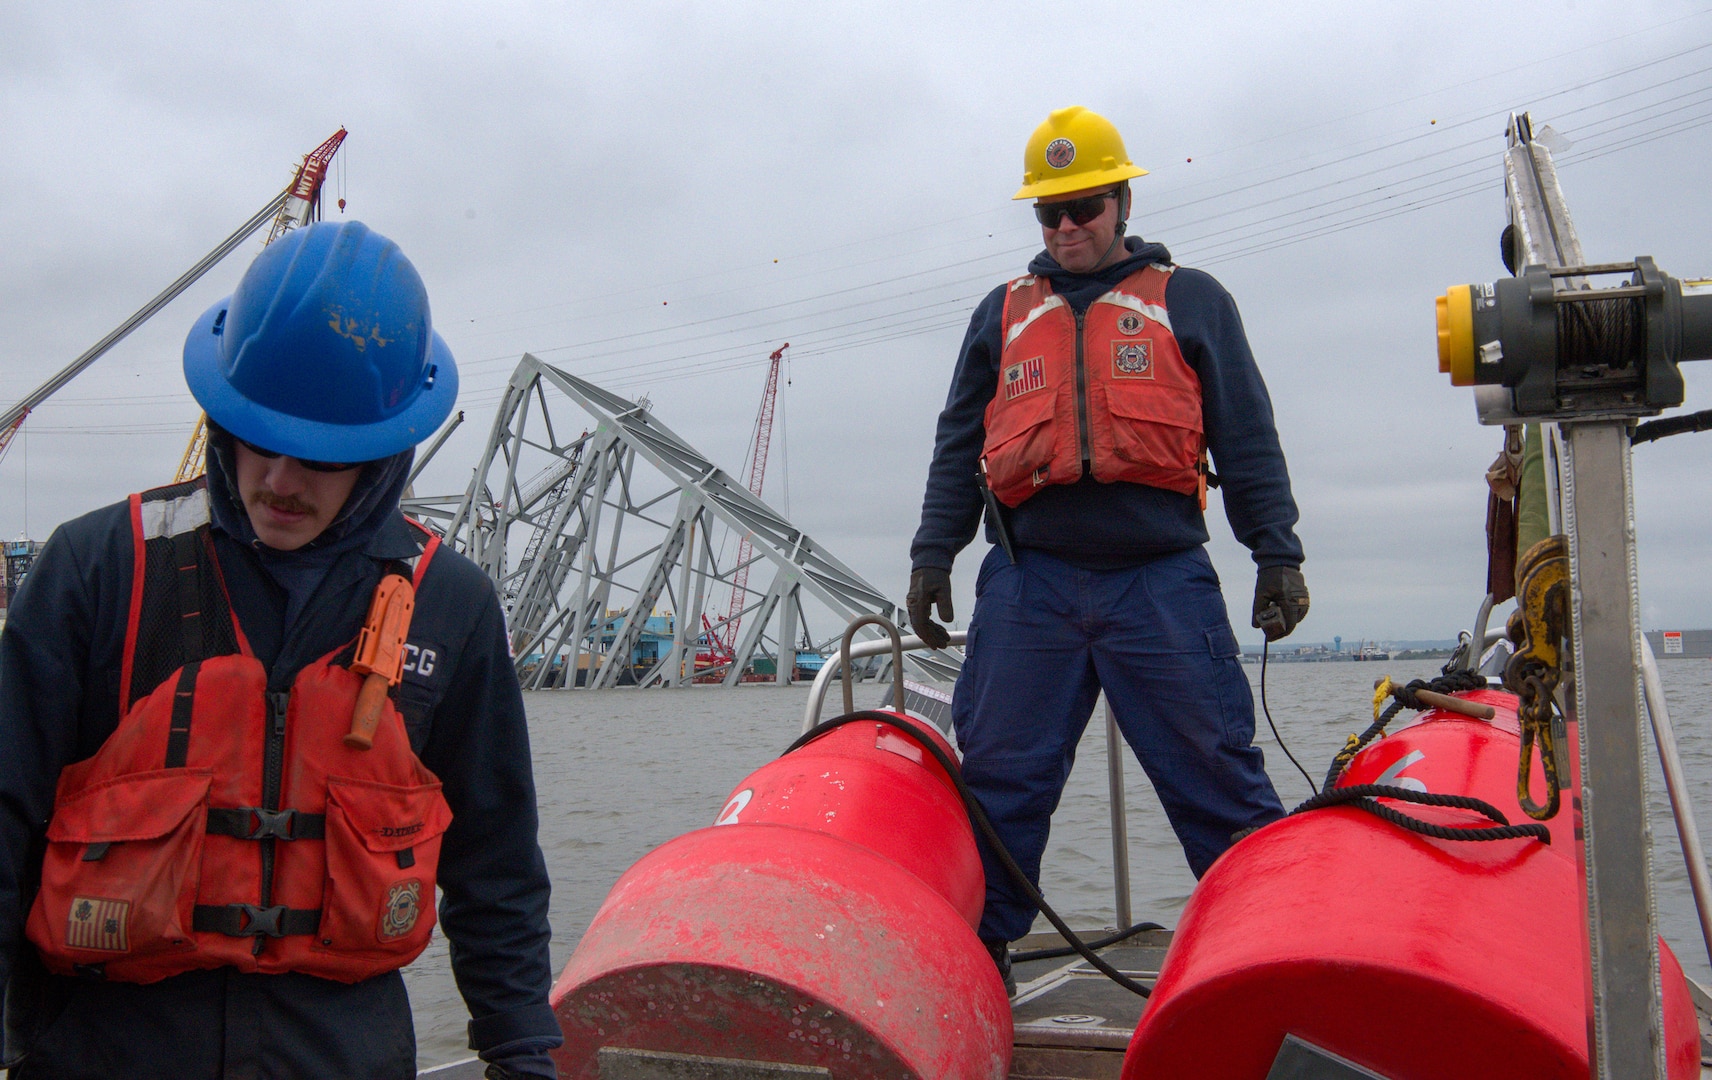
1414, 957
826, 919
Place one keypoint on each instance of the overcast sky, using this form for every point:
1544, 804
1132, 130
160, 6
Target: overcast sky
656, 197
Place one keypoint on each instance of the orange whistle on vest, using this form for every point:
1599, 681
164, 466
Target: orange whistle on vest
380, 655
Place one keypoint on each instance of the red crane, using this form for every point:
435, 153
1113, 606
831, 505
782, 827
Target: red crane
722, 639
303, 203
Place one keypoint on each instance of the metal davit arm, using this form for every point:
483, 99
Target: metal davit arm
858, 651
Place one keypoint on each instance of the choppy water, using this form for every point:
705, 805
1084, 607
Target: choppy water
621, 772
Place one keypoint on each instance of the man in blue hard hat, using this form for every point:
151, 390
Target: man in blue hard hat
209, 865
1085, 404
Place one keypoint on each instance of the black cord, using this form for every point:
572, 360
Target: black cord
1671, 425
1265, 651
1098, 943
978, 818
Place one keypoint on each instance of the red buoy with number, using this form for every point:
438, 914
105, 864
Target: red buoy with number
1414, 957
826, 919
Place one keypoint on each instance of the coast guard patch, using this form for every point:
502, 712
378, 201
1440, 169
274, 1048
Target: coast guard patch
1132, 360
1060, 153
96, 923
1129, 323
403, 905
1025, 377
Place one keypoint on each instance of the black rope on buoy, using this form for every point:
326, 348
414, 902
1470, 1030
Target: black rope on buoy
1363, 796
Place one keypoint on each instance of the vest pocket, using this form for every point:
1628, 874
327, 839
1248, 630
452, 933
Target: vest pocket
1021, 440
1158, 431
123, 862
383, 845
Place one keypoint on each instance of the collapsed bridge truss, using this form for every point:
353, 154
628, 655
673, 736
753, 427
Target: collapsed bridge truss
588, 535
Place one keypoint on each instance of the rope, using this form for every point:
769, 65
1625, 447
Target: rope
1363, 796
1404, 697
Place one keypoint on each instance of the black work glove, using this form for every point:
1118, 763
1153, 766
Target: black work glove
928, 586
1280, 600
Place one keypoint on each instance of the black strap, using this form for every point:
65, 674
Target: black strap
255, 823
183, 705
248, 920
186, 554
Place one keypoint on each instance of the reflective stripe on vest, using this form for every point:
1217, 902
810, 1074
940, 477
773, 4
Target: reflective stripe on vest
222, 824
1107, 391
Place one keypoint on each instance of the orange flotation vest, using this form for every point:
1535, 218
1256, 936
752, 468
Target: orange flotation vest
1106, 391
225, 824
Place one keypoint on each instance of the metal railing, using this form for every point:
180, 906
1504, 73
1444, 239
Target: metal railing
1114, 752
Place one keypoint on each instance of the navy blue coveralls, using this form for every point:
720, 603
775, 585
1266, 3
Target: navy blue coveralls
1112, 590
59, 683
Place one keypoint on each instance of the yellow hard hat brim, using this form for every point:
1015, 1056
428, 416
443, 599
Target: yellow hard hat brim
1082, 181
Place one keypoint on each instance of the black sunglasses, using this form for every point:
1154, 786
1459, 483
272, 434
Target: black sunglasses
312, 466
1081, 211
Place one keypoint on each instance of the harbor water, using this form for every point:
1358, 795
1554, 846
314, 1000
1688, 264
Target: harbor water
620, 772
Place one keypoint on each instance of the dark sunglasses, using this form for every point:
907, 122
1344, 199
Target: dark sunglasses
312, 466
1081, 211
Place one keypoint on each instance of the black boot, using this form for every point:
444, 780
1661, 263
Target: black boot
1001, 953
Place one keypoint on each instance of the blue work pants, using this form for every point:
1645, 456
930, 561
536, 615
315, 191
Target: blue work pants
1045, 639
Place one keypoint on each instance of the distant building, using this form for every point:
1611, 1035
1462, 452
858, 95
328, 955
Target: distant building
19, 554
1680, 644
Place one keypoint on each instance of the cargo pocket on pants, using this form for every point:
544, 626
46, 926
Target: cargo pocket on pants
383, 844
1236, 701
123, 862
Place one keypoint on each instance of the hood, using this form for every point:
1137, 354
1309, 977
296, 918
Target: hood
1141, 253
372, 502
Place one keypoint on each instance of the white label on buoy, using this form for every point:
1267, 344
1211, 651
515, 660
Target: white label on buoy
728, 816
1407, 783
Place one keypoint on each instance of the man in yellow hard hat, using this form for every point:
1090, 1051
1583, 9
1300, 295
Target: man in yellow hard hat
1087, 399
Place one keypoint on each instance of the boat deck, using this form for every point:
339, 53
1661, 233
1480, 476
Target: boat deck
1072, 1023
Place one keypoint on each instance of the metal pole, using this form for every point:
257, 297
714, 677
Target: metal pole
1626, 1023
1120, 820
1681, 805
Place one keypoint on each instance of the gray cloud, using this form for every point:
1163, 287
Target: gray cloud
610, 188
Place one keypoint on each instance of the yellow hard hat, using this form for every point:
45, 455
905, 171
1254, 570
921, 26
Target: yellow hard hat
1073, 151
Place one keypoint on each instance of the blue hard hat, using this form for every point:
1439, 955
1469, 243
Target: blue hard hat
326, 351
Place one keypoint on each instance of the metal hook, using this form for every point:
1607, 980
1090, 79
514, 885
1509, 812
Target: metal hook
897, 660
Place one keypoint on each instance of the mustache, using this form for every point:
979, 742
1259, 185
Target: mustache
289, 504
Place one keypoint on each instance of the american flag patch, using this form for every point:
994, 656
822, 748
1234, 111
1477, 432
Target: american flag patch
1025, 377
99, 924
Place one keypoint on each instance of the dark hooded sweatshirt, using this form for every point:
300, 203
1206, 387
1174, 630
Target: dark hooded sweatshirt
59, 683
1103, 526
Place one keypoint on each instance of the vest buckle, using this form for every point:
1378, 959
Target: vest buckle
272, 824
259, 921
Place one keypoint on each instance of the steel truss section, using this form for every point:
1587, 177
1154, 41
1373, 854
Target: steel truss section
586, 537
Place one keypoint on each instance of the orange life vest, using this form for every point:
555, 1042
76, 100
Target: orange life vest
222, 824
1106, 391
